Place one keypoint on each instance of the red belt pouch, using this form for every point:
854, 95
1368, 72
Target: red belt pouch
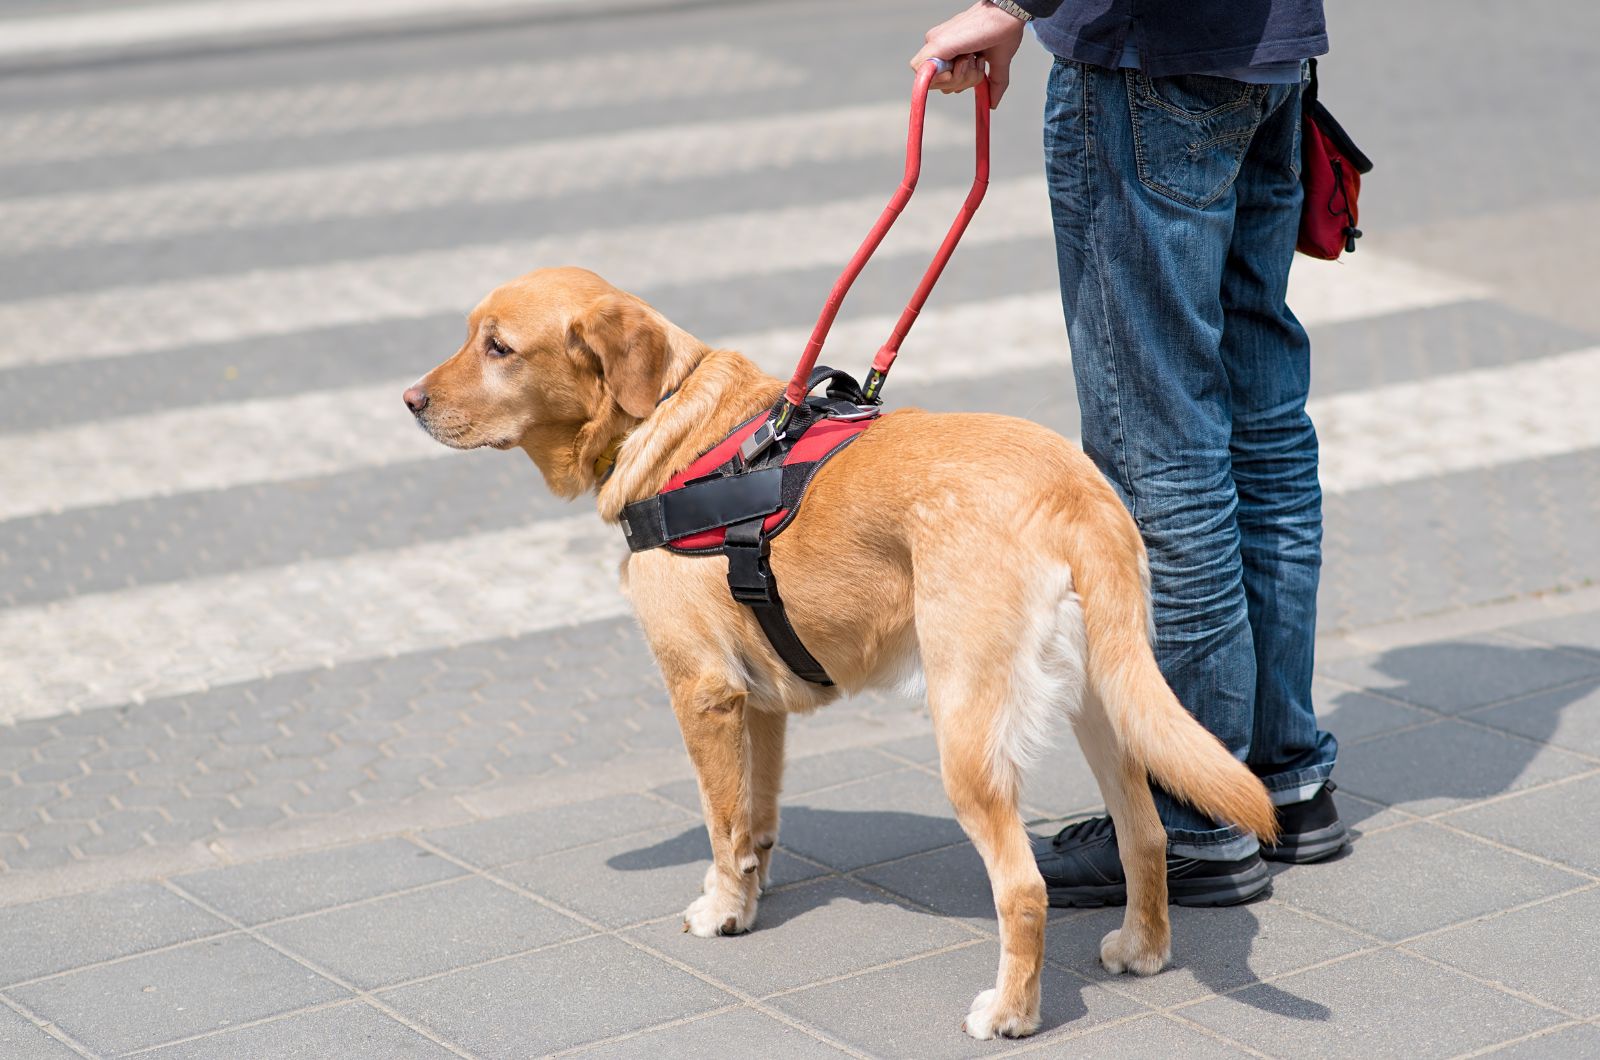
1330, 170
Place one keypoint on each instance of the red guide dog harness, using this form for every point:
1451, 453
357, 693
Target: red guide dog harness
733, 500
745, 491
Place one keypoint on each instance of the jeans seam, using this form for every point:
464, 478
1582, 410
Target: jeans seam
1147, 90
1124, 466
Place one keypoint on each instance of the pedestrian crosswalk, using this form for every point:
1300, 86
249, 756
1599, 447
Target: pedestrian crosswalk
470, 90
524, 173
164, 638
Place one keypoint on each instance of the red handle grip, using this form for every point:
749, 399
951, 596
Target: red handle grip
795, 393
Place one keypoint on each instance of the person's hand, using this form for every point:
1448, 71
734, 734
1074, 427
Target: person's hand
982, 34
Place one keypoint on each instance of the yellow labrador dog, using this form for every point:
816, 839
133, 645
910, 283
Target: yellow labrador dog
986, 553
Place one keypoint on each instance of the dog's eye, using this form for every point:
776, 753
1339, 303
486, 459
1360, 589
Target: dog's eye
498, 348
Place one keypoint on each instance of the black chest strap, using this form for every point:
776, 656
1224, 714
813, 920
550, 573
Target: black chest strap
751, 581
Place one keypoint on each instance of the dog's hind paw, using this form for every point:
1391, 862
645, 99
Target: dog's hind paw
988, 1018
1119, 957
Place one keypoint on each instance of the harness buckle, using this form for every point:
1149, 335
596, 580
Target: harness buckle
758, 443
749, 574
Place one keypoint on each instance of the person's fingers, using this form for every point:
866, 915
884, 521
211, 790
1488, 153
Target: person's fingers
999, 80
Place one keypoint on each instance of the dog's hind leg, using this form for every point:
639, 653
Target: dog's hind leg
714, 717
767, 731
970, 696
1144, 942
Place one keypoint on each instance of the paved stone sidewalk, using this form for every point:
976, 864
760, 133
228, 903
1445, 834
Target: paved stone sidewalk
1465, 917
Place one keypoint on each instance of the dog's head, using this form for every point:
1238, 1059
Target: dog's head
557, 362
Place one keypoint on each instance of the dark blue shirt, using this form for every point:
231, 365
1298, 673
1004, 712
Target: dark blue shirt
1181, 36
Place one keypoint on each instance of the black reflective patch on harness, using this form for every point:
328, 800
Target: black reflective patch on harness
701, 505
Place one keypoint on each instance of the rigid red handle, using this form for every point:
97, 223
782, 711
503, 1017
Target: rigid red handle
795, 393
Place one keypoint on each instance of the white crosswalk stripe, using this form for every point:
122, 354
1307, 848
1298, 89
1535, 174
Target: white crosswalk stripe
132, 320
186, 22
114, 647
612, 79
1482, 418
275, 440
175, 638
506, 173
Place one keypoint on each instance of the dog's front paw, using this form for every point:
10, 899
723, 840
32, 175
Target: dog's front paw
715, 913
989, 1018
1119, 956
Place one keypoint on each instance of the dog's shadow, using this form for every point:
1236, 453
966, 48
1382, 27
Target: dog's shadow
1213, 945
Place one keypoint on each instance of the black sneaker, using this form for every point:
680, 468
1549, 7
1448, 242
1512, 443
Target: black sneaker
1081, 868
1308, 831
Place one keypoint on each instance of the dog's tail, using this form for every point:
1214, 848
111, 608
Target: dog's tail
1112, 580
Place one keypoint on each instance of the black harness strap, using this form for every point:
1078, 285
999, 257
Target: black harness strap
751, 581
704, 504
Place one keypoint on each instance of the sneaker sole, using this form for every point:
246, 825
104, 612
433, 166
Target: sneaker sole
1308, 847
1223, 890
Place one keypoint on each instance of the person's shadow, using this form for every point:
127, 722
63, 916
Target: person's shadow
1520, 692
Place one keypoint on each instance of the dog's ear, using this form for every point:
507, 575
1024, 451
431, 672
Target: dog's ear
630, 347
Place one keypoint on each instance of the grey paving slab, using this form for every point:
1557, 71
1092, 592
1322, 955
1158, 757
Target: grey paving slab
808, 932
518, 837
267, 890
951, 881
555, 999
1151, 1036
177, 993
20, 1038
41, 938
1380, 1005
1060, 782
876, 820
1448, 764
1555, 823
1463, 674
1579, 1042
1351, 715
924, 749
1571, 631
802, 775
916, 1008
423, 932
743, 1029
352, 1030
1416, 878
1363, 815
1568, 717
641, 877
1213, 950
1546, 951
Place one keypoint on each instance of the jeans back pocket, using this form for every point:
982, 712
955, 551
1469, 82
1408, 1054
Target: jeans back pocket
1190, 132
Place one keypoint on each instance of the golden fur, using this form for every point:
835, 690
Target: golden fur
985, 550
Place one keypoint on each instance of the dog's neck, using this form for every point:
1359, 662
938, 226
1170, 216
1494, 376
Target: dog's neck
712, 392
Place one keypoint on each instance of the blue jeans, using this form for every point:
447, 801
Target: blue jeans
1176, 203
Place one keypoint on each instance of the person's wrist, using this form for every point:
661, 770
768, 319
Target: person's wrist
1011, 8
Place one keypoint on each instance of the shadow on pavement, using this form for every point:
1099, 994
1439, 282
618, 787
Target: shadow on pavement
1521, 692
1213, 944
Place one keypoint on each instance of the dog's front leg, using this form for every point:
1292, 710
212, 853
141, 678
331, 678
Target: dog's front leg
713, 717
767, 731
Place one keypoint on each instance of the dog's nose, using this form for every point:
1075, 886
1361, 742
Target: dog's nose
416, 400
